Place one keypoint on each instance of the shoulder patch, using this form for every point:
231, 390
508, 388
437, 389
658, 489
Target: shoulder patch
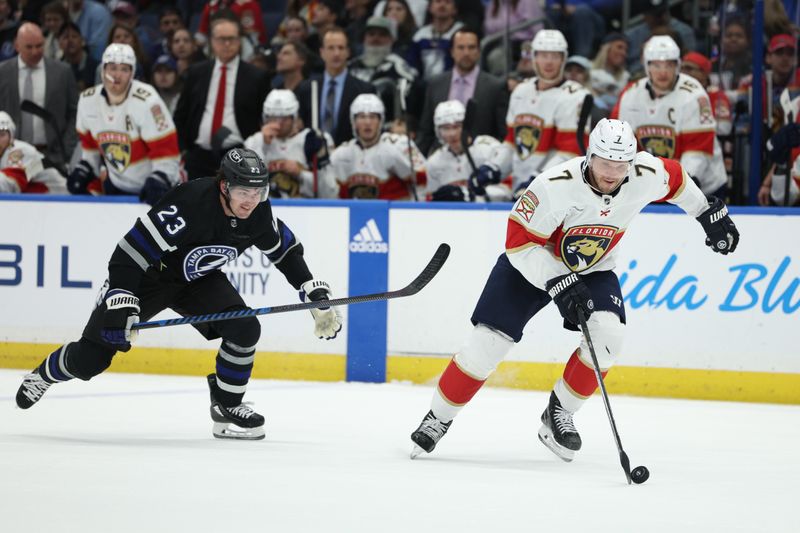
88, 92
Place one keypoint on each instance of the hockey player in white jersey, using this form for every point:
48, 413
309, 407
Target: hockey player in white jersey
449, 168
671, 115
124, 125
562, 239
289, 153
542, 119
375, 164
21, 165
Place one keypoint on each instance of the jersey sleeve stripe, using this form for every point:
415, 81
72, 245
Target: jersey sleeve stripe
144, 245
153, 231
697, 141
519, 238
131, 251
87, 141
677, 178
162, 147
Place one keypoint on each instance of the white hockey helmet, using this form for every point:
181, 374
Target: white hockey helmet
661, 48
280, 103
549, 41
448, 112
366, 103
121, 54
7, 123
613, 140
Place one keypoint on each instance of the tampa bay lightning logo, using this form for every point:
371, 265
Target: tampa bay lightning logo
206, 259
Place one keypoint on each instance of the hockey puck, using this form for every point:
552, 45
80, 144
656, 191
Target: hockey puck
640, 474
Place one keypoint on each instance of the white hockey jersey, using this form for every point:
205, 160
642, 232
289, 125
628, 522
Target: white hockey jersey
542, 128
446, 168
133, 139
278, 152
561, 225
380, 171
22, 171
679, 125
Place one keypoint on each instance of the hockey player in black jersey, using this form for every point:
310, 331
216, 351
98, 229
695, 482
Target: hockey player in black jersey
171, 258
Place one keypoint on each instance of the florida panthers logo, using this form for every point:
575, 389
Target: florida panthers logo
363, 186
583, 246
657, 140
116, 148
527, 134
283, 182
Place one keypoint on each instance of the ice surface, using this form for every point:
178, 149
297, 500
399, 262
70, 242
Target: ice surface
135, 453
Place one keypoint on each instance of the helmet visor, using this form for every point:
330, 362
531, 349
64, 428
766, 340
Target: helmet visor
247, 194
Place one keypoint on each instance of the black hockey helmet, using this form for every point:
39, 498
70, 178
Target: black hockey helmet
242, 167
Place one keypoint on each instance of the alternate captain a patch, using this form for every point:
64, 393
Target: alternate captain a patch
583, 246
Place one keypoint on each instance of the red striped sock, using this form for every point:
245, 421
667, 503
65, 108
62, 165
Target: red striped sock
456, 386
579, 377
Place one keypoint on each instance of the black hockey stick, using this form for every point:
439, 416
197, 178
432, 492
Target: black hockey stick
641, 472
26, 106
402, 88
583, 119
433, 267
789, 166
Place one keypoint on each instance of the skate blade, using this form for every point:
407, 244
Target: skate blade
546, 436
234, 432
416, 451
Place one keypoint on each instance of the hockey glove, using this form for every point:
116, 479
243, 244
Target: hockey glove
122, 312
450, 193
721, 233
327, 320
570, 293
780, 145
315, 145
155, 187
80, 177
487, 174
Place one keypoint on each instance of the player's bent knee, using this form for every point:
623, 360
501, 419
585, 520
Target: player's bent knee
243, 331
86, 359
485, 349
607, 332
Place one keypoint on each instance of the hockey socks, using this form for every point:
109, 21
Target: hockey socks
54, 367
456, 388
577, 384
234, 365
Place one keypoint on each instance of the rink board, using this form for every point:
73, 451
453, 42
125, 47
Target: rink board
701, 325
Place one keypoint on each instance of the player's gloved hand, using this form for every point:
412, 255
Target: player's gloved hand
522, 187
155, 187
78, 180
721, 233
487, 174
780, 145
315, 145
570, 293
122, 312
450, 193
327, 320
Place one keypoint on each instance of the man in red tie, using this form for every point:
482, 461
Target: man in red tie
221, 103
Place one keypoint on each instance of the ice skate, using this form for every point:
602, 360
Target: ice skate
32, 389
428, 434
239, 422
558, 432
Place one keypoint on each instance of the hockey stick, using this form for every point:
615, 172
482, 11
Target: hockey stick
469, 115
433, 267
34, 109
402, 87
583, 119
789, 166
315, 128
217, 140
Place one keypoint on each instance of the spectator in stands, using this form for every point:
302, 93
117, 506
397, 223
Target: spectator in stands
337, 89
21, 165
698, 66
466, 81
292, 29
300, 8
775, 20
523, 70
580, 23
577, 69
291, 65
220, 104
428, 53
356, 14
47, 83
8, 28
416, 9
169, 20
324, 17
166, 81
184, 49
497, 15
53, 17
736, 60
125, 14
781, 59
248, 12
656, 14
782, 153
94, 20
74, 53
123, 34
609, 74
399, 11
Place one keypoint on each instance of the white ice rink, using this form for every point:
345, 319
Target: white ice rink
135, 453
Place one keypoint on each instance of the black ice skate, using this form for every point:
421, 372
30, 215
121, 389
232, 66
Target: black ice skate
558, 432
428, 434
239, 422
32, 389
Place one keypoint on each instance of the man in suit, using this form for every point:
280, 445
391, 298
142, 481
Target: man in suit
466, 81
337, 89
47, 83
220, 105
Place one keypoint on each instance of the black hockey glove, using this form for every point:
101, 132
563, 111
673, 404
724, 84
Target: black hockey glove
315, 145
450, 193
487, 174
122, 312
155, 187
570, 293
327, 320
80, 177
721, 233
780, 145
